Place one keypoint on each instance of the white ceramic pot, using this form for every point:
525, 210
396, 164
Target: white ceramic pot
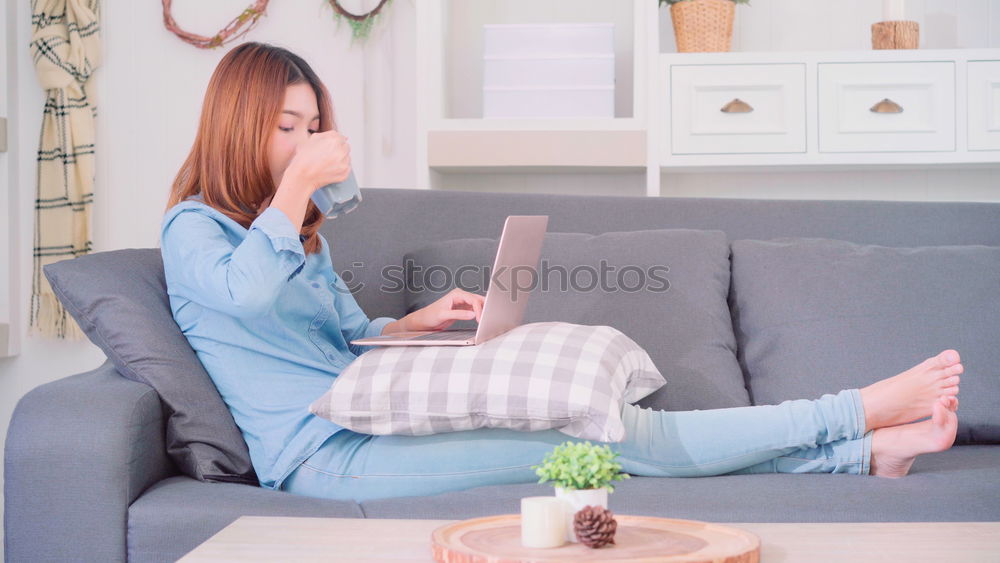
576, 499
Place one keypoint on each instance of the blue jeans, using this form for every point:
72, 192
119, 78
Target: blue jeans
826, 435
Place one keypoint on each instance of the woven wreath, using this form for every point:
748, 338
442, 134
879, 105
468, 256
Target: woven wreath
361, 24
246, 20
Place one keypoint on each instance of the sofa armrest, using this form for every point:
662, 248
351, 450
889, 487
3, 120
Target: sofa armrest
79, 451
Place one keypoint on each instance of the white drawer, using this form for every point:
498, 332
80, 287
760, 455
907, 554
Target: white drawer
921, 104
984, 105
706, 115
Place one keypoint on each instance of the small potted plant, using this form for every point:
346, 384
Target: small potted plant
703, 25
582, 474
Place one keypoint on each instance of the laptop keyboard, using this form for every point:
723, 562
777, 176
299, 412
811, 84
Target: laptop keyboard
446, 335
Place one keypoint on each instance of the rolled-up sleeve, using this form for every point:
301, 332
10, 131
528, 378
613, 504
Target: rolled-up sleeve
243, 280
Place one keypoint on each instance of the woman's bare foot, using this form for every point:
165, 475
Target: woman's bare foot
910, 395
894, 448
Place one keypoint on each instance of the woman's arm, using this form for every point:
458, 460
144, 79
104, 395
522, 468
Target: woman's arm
292, 197
201, 264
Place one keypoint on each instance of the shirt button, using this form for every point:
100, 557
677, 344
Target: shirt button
331, 356
315, 284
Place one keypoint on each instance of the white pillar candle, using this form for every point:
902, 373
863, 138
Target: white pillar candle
543, 522
892, 10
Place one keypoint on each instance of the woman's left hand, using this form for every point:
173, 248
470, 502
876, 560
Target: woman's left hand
457, 304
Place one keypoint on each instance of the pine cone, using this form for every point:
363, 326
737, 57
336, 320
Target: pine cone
595, 526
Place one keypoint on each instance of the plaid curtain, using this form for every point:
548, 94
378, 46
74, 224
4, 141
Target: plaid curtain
65, 48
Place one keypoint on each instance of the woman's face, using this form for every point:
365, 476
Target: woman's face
299, 118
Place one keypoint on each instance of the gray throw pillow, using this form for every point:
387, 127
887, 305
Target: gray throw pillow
119, 299
814, 316
665, 289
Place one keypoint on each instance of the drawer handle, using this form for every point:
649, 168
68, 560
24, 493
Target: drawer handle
887, 106
737, 106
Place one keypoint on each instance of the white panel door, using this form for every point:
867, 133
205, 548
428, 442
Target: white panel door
984, 105
747, 108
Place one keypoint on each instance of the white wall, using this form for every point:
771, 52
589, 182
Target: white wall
149, 89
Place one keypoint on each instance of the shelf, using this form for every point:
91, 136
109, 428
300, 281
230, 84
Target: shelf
452, 139
568, 150
553, 124
794, 165
765, 162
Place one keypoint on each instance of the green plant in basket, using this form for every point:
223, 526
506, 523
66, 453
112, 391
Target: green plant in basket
576, 465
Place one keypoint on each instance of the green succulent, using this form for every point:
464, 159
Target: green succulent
576, 465
672, 2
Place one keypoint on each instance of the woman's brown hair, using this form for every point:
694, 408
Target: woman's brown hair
228, 163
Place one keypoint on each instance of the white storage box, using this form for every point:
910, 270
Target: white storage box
548, 70
533, 39
583, 101
564, 71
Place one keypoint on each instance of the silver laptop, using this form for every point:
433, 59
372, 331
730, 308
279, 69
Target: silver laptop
514, 269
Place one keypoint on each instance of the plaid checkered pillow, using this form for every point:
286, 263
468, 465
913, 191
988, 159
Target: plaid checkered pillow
534, 377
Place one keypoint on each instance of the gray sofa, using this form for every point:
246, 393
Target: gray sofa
89, 478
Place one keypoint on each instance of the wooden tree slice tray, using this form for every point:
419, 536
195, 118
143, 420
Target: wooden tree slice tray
497, 539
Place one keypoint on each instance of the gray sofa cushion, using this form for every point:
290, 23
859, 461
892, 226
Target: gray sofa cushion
119, 299
681, 320
958, 485
814, 316
176, 515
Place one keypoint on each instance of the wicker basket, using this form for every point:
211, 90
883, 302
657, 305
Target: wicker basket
703, 25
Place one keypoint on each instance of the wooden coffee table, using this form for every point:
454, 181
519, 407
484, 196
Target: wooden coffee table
257, 538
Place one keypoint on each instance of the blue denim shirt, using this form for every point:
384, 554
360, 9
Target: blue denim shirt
270, 324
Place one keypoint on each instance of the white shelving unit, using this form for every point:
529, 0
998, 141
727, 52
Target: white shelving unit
649, 141
446, 145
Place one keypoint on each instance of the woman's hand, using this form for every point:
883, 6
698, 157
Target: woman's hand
324, 158
458, 304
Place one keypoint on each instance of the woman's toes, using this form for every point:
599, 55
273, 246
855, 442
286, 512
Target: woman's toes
950, 391
954, 370
946, 358
942, 414
950, 402
951, 381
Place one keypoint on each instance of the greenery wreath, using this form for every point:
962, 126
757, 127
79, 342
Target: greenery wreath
247, 18
361, 24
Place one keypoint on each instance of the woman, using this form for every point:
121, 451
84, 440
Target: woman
252, 287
